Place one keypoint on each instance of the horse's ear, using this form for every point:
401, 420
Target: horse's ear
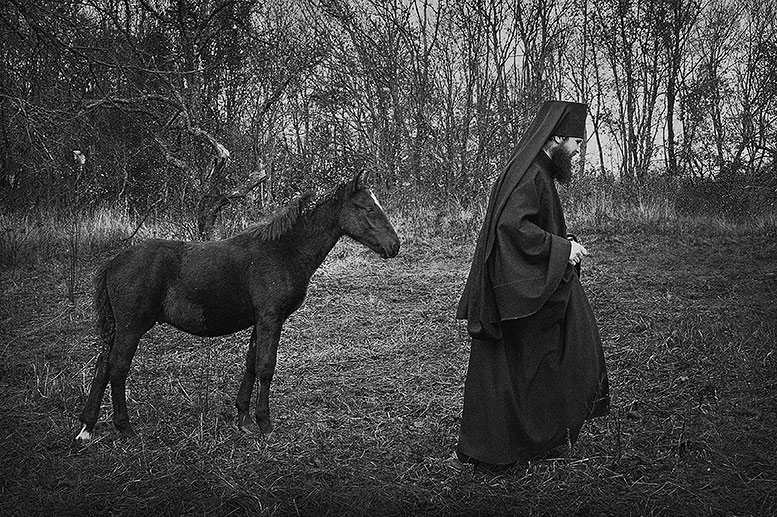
361, 179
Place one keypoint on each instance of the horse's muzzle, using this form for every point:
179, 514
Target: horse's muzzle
391, 250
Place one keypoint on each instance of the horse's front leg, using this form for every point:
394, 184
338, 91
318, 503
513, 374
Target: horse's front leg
246, 385
260, 359
268, 336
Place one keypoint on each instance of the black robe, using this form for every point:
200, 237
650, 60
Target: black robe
478, 304
536, 369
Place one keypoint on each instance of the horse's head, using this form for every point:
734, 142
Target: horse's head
363, 219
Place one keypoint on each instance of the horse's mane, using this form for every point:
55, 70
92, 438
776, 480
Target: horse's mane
280, 221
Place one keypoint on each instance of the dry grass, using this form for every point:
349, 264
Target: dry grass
368, 389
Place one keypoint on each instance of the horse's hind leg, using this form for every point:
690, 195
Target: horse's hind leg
92, 408
247, 384
119, 361
266, 355
112, 365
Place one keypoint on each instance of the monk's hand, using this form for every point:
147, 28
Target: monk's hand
576, 253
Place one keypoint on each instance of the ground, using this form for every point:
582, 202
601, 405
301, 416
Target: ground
367, 394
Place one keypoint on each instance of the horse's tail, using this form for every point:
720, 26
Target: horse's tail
106, 323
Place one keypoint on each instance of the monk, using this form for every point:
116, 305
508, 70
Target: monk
536, 368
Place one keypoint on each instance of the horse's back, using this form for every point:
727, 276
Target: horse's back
151, 259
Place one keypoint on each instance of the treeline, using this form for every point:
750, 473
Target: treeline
193, 104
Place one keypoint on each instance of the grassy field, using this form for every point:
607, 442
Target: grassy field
367, 394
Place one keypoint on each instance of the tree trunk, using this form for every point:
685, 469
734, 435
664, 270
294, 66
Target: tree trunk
212, 201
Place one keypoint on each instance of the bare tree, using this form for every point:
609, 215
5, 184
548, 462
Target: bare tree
173, 81
371, 48
675, 20
755, 87
715, 43
420, 30
626, 34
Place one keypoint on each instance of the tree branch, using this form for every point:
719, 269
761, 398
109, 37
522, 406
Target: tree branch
172, 160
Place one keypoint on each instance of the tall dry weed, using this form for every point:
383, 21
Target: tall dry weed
591, 203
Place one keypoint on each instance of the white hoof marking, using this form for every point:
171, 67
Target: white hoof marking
84, 435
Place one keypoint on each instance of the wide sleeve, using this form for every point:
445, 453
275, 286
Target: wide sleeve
529, 261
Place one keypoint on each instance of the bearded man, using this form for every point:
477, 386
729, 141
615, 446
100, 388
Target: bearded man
536, 368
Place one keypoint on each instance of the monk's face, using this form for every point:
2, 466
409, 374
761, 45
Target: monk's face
562, 155
571, 145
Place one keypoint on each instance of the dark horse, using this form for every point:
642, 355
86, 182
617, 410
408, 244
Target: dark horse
257, 278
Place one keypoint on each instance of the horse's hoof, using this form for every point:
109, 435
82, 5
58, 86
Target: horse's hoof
265, 426
84, 436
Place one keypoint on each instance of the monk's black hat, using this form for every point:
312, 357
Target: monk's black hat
572, 122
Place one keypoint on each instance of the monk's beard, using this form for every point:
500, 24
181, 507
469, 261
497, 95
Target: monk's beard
562, 162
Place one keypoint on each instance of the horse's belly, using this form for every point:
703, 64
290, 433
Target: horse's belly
213, 330
208, 317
